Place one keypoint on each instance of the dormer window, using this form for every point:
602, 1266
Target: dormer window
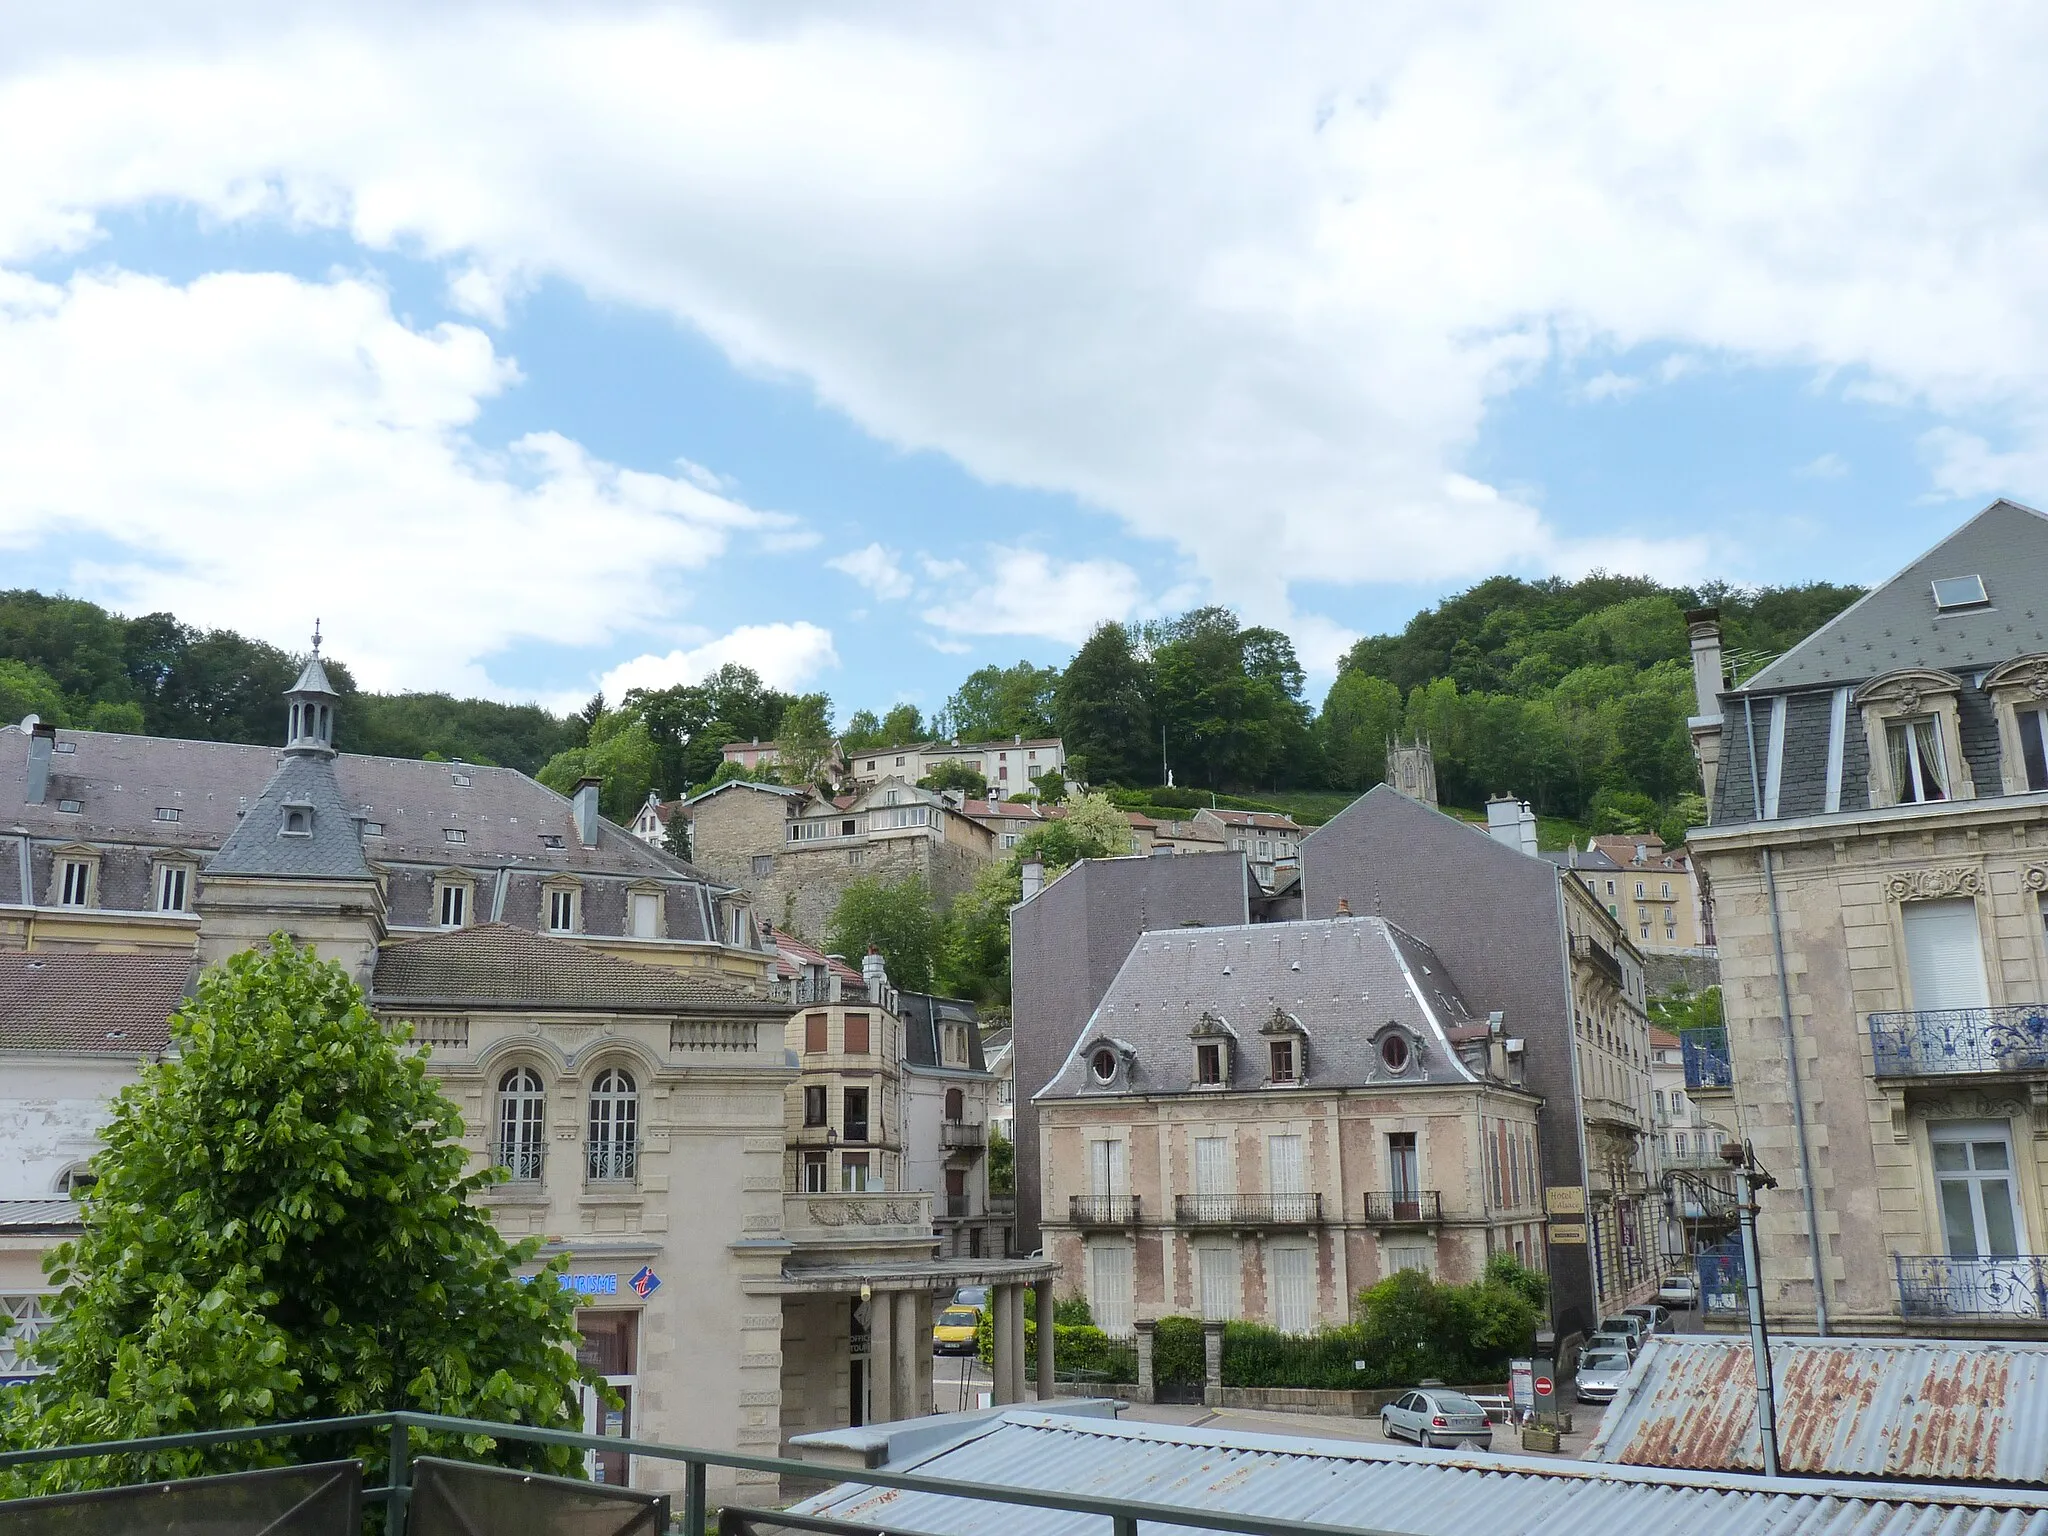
1286, 1049
1213, 1038
1911, 725
1284, 1064
1209, 1064
298, 821
1914, 753
1395, 1052
459, 780
1102, 1065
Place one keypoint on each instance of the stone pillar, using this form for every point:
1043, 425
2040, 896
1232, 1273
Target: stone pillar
923, 1319
906, 1400
881, 1357
1002, 1300
1047, 1389
1147, 1389
1017, 1374
1212, 1364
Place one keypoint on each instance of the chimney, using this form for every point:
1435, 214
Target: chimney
1510, 821
42, 741
584, 801
1525, 825
874, 970
1704, 626
1020, 739
1033, 871
1343, 906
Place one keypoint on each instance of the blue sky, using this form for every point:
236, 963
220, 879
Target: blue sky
551, 352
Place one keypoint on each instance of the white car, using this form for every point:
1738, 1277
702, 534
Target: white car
1436, 1417
1601, 1374
1679, 1291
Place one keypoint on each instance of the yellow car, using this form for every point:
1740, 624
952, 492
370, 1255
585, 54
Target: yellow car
953, 1330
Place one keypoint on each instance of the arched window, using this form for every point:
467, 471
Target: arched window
956, 1104
522, 1107
614, 1125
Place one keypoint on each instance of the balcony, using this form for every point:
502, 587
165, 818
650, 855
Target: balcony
611, 1163
962, 1135
1404, 1207
1934, 1285
1706, 1059
1599, 956
1942, 1042
1102, 1210
1248, 1210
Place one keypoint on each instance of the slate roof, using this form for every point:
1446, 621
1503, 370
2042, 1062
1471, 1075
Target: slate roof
922, 1013
1574, 858
81, 1000
331, 850
1798, 710
1263, 819
1895, 625
1343, 979
496, 964
121, 781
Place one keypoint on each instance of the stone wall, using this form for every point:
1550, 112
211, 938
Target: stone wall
1672, 973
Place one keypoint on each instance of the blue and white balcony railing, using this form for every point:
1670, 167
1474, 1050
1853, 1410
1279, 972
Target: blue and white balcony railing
1722, 1283
1942, 1041
1706, 1058
1935, 1285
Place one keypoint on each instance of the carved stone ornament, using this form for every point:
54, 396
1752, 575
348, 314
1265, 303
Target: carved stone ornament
1967, 1106
1908, 697
1211, 1026
2026, 673
2035, 877
863, 1213
1930, 884
1282, 1023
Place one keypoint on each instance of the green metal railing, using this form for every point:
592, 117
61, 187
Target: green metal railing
1126, 1516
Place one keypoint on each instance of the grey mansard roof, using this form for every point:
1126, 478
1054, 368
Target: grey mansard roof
1342, 980
498, 964
121, 782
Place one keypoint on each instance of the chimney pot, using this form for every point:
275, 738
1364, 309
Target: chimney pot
1032, 873
1343, 906
42, 741
584, 802
1703, 626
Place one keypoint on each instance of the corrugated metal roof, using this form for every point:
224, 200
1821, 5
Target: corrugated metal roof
1388, 1488
39, 1215
1949, 1410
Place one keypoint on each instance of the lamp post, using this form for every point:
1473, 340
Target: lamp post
1741, 1157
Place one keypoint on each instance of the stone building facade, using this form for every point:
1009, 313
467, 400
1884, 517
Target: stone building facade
796, 854
1878, 854
1259, 1122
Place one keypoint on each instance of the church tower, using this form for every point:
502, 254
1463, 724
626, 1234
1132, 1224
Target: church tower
1411, 768
295, 864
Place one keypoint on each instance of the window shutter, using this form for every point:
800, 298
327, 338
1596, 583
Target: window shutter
1212, 1165
1218, 1272
1106, 1168
1109, 1286
1944, 955
1283, 1165
1293, 1289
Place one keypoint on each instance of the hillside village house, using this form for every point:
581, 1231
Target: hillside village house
796, 852
1259, 1121
650, 822
1270, 842
1008, 766
602, 1013
1878, 854
1650, 891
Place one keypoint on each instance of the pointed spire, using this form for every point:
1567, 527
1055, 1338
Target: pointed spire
310, 720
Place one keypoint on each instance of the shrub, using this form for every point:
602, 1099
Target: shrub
1177, 1351
1257, 1356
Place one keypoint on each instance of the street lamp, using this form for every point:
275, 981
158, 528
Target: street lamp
1741, 1158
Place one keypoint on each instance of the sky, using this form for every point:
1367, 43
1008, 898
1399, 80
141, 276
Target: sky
537, 351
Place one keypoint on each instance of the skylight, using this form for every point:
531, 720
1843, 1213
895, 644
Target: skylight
1952, 593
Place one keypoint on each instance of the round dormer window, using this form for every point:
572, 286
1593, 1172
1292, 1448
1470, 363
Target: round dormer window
1103, 1065
1394, 1053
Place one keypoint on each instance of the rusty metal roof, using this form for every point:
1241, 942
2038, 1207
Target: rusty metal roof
1961, 1410
1371, 1487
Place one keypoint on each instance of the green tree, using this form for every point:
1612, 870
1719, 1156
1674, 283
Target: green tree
26, 689
956, 774
896, 917
902, 726
621, 753
1683, 1008
283, 1227
1230, 698
804, 738
1002, 1163
999, 702
1361, 714
675, 837
863, 732
1104, 710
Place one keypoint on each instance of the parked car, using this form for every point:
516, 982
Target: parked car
1679, 1291
971, 1296
1602, 1370
1624, 1330
1437, 1417
1655, 1318
954, 1330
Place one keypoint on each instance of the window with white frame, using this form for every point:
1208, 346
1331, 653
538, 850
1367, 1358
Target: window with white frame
1400, 1256
453, 900
522, 1132
646, 914
1913, 748
1109, 1287
1974, 1177
74, 887
1217, 1278
614, 1126
172, 887
561, 909
1944, 954
1294, 1288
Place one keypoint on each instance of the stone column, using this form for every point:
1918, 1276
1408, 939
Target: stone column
881, 1357
999, 1298
1147, 1389
923, 1319
906, 1401
1212, 1364
1047, 1388
1017, 1374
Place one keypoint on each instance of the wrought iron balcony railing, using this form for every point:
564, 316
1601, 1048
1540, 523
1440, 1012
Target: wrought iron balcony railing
1941, 1041
1935, 1285
1403, 1207
1248, 1210
609, 1162
1707, 1064
522, 1163
1103, 1210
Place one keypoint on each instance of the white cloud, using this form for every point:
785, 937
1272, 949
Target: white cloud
877, 569
1611, 386
1826, 466
251, 451
1254, 297
1028, 593
788, 656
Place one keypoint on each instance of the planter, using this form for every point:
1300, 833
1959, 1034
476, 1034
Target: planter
1540, 1437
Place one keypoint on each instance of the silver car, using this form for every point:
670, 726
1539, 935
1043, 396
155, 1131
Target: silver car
1653, 1317
1601, 1373
1436, 1417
